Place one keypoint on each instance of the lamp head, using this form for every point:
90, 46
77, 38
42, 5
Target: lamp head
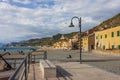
71, 25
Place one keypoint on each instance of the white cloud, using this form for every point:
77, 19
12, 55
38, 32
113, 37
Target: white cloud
20, 23
5, 1
90, 20
22, 1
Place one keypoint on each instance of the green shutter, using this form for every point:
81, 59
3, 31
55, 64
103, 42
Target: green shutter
105, 35
101, 36
112, 34
118, 46
113, 47
117, 33
103, 46
96, 37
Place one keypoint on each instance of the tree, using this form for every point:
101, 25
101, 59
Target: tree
57, 36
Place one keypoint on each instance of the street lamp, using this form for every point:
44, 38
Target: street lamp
72, 25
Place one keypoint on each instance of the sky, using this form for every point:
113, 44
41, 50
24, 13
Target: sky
27, 19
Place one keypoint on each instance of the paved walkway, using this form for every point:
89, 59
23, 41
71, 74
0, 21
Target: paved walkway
35, 73
73, 71
77, 71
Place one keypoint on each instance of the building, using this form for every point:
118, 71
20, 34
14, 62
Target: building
75, 38
85, 43
91, 41
63, 43
88, 42
108, 38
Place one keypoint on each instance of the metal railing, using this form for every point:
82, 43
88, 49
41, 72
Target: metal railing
21, 73
36, 57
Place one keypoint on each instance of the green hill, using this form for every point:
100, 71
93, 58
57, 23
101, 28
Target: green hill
49, 41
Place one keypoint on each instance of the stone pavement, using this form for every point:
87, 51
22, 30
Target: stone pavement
73, 71
77, 71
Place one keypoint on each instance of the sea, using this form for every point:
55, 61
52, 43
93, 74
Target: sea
17, 49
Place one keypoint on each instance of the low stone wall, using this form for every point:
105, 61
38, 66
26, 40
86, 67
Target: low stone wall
48, 69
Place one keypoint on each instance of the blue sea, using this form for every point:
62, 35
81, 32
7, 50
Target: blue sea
17, 49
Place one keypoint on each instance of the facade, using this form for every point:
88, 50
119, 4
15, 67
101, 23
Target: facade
88, 42
108, 39
85, 43
63, 43
75, 38
91, 41
105, 39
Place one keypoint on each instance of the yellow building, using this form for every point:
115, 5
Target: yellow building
85, 43
63, 43
75, 38
88, 42
108, 38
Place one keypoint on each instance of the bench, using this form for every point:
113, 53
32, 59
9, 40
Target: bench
48, 70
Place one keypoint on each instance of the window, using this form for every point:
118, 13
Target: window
118, 46
96, 37
103, 46
101, 36
118, 33
112, 34
113, 47
105, 35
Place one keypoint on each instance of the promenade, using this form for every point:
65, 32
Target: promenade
93, 67
105, 62
77, 71
73, 71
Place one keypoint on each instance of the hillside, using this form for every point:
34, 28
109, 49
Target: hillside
112, 22
49, 41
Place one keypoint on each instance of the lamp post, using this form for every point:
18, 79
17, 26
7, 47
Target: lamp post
79, 23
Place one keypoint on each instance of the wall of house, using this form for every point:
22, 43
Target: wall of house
91, 42
108, 39
85, 43
63, 44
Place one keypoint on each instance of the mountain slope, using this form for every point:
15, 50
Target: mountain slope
112, 22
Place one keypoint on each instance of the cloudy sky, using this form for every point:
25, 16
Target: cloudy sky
26, 19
